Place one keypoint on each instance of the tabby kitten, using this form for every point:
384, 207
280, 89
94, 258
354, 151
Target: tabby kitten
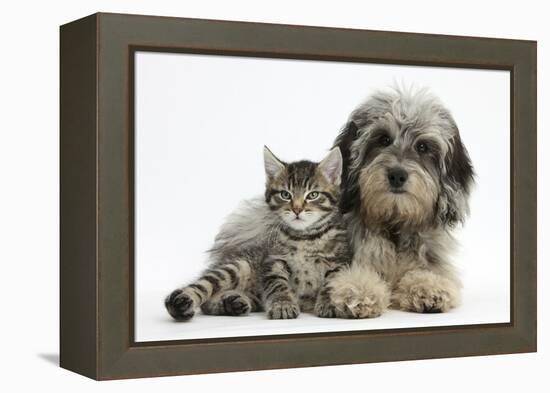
277, 254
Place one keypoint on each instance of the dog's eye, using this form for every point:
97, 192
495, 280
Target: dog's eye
312, 196
422, 147
285, 195
384, 140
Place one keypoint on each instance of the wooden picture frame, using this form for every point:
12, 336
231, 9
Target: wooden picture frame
96, 142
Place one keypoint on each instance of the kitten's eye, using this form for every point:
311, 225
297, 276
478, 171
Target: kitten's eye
312, 196
422, 147
285, 195
384, 140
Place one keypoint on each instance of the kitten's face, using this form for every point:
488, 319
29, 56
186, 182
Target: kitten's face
303, 193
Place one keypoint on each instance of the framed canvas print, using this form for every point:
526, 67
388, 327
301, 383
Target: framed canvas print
241, 196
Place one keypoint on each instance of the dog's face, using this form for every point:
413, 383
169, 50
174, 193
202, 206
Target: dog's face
405, 164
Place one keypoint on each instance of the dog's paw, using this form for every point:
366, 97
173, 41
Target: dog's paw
425, 292
283, 309
236, 305
351, 306
425, 300
359, 293
180, 305
366, 307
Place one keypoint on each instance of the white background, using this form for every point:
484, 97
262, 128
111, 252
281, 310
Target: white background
29, 199
201, 122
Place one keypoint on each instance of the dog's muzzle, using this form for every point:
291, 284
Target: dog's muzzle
397, 177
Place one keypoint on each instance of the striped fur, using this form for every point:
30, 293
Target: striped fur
276, 253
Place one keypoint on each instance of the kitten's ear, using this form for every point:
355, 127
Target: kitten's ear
331, 166
273, 166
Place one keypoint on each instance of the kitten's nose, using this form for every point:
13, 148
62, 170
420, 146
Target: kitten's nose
297, 210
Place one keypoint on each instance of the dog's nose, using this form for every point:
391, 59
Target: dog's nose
397, 177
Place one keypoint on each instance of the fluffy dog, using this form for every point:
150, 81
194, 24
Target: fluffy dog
407, 178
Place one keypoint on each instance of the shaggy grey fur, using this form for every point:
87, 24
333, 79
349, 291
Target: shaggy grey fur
407, 178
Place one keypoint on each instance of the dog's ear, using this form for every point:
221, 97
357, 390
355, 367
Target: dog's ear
344, 141
459, 166
457, 182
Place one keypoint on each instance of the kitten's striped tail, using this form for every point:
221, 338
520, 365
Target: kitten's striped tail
182, 303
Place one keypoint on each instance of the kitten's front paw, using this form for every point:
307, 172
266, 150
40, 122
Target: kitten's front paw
283, 309
236, 305
326, 310
180, 305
